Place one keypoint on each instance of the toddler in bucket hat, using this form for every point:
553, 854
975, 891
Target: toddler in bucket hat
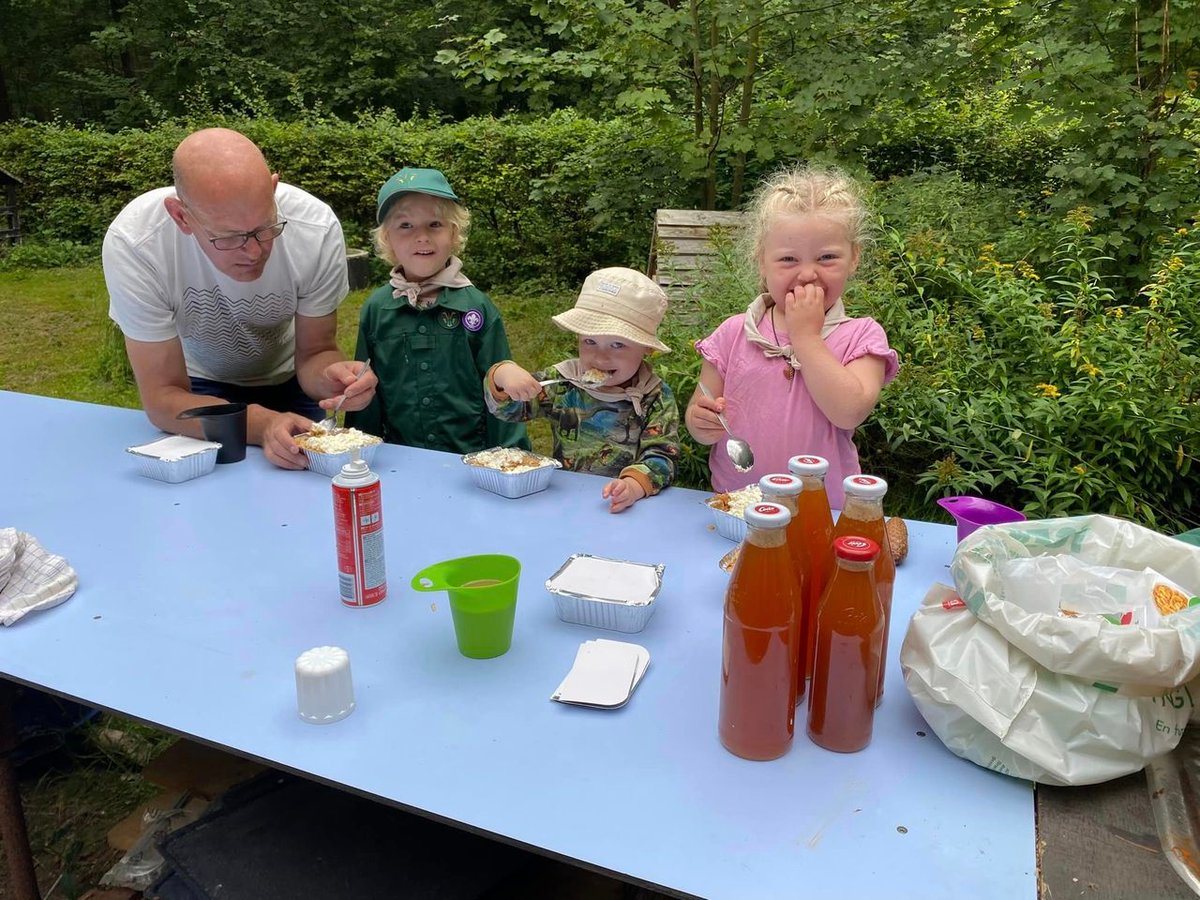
609, 413
620, 302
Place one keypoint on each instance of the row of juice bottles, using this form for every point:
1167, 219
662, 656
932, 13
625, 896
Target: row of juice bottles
808, 605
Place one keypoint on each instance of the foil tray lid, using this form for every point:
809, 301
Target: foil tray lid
174, 447
607, 580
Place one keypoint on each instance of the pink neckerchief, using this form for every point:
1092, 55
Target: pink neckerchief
834, 317
424, 294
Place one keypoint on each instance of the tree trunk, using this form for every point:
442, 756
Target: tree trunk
6, 110
739, 163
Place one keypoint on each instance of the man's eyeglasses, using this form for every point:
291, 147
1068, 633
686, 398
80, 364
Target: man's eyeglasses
263, 235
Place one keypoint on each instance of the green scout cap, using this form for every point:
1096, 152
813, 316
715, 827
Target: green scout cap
419, 181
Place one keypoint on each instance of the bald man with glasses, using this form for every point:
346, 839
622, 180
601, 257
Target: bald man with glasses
226, 286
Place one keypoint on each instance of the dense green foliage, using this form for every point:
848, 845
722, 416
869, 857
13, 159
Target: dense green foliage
551, 198
1034, 168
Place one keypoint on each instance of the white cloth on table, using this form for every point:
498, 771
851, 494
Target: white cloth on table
31, 578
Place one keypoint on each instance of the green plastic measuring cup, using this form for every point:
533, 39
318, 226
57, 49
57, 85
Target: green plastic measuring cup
483, 600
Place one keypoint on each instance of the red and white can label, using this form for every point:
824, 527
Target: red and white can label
358, 523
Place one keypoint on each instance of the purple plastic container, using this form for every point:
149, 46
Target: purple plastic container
975, 512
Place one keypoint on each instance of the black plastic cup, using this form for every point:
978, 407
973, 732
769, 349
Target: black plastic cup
224, 423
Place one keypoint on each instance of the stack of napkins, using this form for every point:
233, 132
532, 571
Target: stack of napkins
604, 674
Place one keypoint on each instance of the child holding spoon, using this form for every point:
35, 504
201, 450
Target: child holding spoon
793, 373
608, 412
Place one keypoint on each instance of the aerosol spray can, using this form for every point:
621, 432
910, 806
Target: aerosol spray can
358, 523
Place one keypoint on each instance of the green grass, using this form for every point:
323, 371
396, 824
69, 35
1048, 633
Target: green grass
56, 339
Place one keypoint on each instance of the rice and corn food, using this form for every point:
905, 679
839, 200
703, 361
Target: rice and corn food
736, 502
508, 459
594, 376
340, 441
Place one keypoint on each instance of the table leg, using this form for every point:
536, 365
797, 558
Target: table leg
21, 875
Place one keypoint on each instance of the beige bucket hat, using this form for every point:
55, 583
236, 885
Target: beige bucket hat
618, 301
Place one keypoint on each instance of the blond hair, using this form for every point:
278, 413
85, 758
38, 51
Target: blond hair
807, 190
455, 214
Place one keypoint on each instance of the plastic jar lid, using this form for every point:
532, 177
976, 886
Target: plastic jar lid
767, 515
868, 486
858, 549
780, 486
808, 465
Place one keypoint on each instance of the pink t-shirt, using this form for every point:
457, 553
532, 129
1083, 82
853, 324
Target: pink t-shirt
777, 415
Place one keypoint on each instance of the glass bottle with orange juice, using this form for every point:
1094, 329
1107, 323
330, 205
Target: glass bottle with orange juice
862, 515
758, 660
850, 627
785, 490
816, 521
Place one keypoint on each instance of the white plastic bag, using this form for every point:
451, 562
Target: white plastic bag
992, 704
1146, 656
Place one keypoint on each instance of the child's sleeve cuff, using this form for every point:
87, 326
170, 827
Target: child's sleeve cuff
640, 477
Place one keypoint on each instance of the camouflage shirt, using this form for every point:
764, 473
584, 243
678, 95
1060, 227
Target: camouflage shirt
604, 437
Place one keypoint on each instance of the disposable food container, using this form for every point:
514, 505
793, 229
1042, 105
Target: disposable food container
176, 458
606, 593
484, 467
330, 464
728, 525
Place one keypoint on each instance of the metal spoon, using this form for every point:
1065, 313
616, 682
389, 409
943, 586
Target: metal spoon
739, 451
329, 423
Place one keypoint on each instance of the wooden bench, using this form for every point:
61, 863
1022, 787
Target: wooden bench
682, 244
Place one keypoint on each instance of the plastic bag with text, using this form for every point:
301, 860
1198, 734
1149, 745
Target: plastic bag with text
1094, 597
992, 704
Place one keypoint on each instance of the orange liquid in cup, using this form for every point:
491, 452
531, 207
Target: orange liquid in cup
758, 665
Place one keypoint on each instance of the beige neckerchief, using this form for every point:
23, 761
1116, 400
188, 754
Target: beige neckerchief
644, 382
834, 317
424, 294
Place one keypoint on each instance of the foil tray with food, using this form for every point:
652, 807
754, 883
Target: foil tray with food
328, 451
510, 471
728, 511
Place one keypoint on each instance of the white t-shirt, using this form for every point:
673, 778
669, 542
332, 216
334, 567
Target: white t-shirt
162, 286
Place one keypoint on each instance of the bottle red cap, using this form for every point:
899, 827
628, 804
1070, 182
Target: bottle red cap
858, 549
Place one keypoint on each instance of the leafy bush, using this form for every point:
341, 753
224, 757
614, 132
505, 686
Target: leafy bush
1044, 389
553, 197
47, 253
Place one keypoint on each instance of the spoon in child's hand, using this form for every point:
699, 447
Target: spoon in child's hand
739, 451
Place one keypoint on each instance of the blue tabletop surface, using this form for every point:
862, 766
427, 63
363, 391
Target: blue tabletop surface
195, 599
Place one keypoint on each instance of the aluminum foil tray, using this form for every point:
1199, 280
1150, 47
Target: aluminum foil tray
606, 593
176, 458
512, 484
331, 463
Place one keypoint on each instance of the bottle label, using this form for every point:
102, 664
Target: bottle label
358, 524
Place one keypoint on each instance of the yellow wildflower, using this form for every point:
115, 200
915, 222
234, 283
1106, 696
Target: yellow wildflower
1048, 390
1079, 470
1181, 231
1174, 264
1089, 369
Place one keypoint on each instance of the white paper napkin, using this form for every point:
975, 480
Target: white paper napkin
604, 674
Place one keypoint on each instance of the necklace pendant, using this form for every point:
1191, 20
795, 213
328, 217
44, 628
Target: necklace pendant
789, 373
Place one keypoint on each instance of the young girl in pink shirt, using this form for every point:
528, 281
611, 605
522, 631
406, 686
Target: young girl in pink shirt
793, 373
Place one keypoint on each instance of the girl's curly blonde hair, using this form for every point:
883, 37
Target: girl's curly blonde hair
807, 190
455, 214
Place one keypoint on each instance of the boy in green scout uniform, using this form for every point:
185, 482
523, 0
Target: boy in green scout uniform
430, 334
609, 413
